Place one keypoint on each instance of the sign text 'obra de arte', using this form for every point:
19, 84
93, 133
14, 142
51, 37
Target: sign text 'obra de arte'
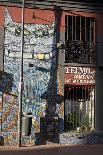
79, 75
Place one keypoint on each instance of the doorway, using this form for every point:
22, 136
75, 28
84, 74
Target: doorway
79, 107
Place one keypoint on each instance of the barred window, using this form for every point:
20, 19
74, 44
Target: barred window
80, 40
79, 108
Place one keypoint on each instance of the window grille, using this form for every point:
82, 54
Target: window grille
79, 108
80, 40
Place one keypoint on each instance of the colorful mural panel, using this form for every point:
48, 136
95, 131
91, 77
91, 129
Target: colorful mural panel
39, 68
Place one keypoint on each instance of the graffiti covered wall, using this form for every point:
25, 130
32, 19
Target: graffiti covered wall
39, 73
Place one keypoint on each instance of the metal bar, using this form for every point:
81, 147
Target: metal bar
88, 109
68, 27
80, 28
94, 30
82, 114
21, 79
75, 27
90, 31
90, 38
85, 107
76, 108
91, 106
85, 29
73, 107
79, 106
72, 27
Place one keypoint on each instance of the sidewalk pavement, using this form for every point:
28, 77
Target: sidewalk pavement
53, 149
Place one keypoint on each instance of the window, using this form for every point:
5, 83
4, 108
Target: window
79, 108
80, 40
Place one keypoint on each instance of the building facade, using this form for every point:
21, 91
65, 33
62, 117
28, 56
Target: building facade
62, 68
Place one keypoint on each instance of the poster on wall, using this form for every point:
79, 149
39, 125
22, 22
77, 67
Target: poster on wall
79, 75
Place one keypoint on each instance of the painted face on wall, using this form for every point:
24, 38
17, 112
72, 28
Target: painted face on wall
39, 40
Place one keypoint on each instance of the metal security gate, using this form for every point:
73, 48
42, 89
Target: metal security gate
79, 107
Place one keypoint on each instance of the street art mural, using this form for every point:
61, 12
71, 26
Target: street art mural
39, 67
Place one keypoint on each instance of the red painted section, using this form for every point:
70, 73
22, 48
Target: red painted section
1, 16
42, 16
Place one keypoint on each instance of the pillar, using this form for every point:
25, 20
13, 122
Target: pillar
99, 84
